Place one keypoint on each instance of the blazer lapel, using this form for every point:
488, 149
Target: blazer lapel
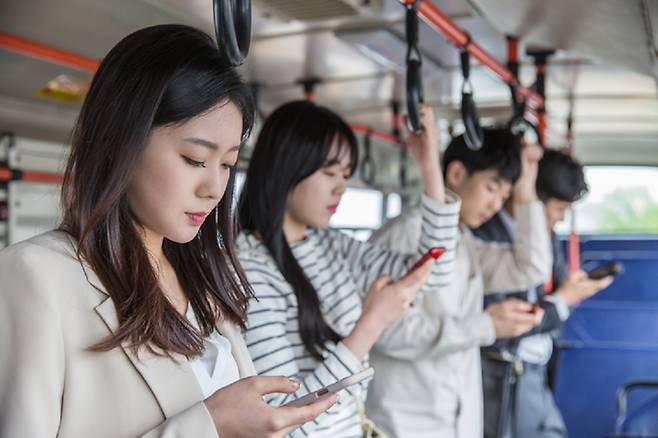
171, 381
238, 348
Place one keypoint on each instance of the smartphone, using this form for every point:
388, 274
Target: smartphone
328, 391
433, 253
536, 306
612, 268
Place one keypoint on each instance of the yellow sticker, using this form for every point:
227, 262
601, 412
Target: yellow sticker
65, 88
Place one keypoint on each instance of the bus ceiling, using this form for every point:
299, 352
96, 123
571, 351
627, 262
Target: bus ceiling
604, 72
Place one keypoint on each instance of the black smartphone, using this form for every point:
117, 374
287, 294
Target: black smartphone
612, 268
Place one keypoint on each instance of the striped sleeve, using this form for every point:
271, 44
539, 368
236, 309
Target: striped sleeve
439, 227
277, 351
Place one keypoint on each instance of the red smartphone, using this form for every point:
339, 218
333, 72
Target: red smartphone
433, 253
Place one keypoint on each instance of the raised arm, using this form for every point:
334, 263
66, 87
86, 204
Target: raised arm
438, 226
527, 262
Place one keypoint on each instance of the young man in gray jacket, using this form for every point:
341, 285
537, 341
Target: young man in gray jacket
428, 373
518, 401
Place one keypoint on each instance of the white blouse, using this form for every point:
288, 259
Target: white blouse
216, 367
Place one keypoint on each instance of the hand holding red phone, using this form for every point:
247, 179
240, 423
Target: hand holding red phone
513, 317
387, 301
432, 254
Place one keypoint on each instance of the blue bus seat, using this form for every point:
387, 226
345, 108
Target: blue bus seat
587, 382
610, 340
637, 410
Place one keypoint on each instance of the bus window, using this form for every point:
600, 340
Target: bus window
621, 199
359, 213
393, 205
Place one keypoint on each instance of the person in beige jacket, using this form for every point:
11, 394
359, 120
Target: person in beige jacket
428, 373
126, 321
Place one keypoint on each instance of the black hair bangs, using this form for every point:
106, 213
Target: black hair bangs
345, 143
561, 177
500, 151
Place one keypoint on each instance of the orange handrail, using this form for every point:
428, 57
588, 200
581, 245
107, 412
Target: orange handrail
7, 174
381, 135
37, 50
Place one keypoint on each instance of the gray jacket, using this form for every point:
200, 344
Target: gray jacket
427, 364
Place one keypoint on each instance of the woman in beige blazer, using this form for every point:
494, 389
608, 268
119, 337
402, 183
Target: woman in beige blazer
126, 321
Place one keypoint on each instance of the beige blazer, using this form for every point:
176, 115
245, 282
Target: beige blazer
52, 307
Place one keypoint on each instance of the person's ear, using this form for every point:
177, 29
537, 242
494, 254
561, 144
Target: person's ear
456, 174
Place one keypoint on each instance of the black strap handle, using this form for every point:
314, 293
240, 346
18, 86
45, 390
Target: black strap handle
233, 29
465, 62
402, 175
519, 124
473, 134
415, 94
367, 169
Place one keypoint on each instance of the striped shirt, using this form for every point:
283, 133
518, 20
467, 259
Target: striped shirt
341, 269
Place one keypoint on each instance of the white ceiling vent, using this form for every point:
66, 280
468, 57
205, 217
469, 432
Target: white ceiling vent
307, 10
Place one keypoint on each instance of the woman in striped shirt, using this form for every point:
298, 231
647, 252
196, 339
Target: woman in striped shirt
311, 318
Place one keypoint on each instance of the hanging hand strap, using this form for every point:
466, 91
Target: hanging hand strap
473, 134
415, 95
367, 169
233, 29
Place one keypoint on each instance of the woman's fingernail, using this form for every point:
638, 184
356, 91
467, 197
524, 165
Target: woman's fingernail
296, 384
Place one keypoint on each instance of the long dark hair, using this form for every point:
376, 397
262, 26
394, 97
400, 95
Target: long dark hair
295, 141
157, 76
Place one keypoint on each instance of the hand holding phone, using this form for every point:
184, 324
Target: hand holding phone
238, 409
334, 388
513, 317
579, 286
433, 253
612, 268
